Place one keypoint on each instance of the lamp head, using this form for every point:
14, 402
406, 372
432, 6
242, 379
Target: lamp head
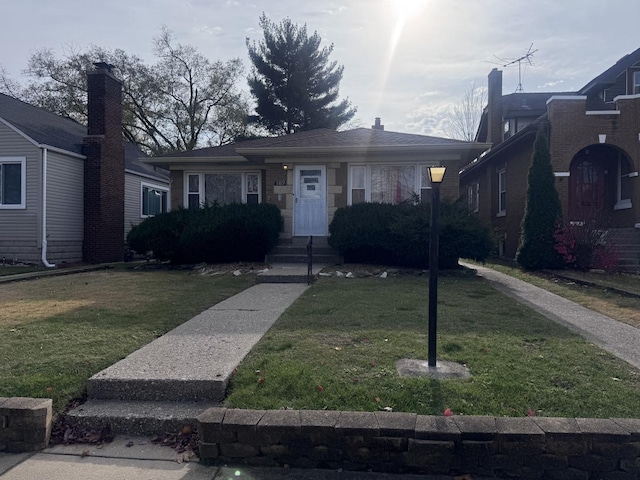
436, 174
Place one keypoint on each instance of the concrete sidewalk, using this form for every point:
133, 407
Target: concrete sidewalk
617, 338
129, 458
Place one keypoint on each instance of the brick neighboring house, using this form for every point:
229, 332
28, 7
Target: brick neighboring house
69, 192
594, 141
310, 174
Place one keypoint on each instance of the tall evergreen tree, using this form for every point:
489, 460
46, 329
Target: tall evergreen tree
294, 84
542, 211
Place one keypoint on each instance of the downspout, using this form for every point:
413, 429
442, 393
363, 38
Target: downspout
43, 258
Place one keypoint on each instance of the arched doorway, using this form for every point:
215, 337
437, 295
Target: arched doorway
598, 182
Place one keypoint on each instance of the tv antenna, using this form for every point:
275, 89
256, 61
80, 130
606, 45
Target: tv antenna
524, 58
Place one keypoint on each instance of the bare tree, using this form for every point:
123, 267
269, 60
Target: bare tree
184, 101
464, 117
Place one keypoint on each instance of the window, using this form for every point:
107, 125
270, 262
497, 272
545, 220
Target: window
12, 182
389, 183
222, 188
636, 82
502, 192
154, 200
473, 195
358, 184
623, 199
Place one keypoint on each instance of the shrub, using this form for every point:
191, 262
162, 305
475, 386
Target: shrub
399, 234
586, 246
542, 211
228, 233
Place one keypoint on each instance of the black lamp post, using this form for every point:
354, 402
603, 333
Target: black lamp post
436, 175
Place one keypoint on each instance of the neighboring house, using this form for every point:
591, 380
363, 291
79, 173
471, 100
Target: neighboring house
69, 192
594, 141
309, 175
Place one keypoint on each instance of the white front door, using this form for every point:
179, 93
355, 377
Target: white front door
310, 203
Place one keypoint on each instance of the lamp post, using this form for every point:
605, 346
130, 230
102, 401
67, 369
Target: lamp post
436, 175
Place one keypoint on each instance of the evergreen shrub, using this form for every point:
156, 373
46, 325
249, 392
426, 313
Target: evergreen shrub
399, 234
213, 234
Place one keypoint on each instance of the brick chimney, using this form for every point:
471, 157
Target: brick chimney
495, 128
104, 168
377, 125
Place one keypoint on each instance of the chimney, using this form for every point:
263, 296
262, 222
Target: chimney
377, 125
495, 127
104, 168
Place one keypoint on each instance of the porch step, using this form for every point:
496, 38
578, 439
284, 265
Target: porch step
627, 243
143, 418
295, 251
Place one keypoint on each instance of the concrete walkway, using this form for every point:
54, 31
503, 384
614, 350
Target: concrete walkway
618, 338
226, 332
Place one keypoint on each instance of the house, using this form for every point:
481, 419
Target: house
310, 174
68, 192
594, 141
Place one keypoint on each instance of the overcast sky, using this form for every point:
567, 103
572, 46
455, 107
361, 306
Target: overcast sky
406, 61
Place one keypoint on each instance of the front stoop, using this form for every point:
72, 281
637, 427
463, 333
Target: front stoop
294, 250
627, 243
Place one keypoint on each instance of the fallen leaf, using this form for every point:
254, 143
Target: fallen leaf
320, 388
130, 444
377, 399
85, 453
530, 412
373, 364
448, 412
338, 348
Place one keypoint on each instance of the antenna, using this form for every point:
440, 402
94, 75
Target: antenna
524, 58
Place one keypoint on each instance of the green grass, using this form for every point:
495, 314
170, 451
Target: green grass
17, 269
601, 299
336, 348
58, 331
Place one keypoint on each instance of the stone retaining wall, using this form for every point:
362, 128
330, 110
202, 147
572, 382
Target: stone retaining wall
25, 424
530, 447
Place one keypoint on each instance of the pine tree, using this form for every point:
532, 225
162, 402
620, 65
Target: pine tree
294, 84
542, 211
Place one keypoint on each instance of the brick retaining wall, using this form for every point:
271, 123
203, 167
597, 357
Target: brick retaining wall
25, 424
530, 447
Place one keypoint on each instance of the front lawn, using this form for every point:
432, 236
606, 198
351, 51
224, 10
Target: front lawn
337, 346
58, 331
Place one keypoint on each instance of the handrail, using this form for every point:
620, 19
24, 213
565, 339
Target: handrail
309, 260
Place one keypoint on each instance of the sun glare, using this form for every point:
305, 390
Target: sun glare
407, 9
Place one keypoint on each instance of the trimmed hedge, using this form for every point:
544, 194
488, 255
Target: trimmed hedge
213, 234
399, 234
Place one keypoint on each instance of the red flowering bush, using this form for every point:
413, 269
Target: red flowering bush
584, 246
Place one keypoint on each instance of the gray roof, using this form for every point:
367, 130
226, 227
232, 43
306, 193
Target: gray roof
608, 77
49, 129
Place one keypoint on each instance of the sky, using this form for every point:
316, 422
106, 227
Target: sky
405, 61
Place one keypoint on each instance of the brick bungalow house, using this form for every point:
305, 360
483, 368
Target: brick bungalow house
70, 192
309, 175
594, 141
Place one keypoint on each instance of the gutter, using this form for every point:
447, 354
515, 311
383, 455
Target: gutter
43, 257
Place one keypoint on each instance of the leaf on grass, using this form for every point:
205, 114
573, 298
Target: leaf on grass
448, 412
530, 412
320, 388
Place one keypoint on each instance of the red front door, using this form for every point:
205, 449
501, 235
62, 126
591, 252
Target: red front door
587, 183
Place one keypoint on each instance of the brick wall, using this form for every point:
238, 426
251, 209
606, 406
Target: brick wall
104, 170
530, 447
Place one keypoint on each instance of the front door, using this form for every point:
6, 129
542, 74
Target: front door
310, 202
587, 188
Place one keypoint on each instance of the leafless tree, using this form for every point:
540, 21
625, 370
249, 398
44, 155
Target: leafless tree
464, 117
184, 101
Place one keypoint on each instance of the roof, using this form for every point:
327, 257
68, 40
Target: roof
51, 130
318, 142
608, 77
43, 126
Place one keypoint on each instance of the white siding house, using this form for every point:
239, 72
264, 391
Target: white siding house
42, 168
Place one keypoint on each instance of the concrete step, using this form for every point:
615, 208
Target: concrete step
137, 418
327, 259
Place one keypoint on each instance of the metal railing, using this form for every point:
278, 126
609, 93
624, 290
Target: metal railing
309, 260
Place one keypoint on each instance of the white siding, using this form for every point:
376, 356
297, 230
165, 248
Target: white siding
65, 207
19, 228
